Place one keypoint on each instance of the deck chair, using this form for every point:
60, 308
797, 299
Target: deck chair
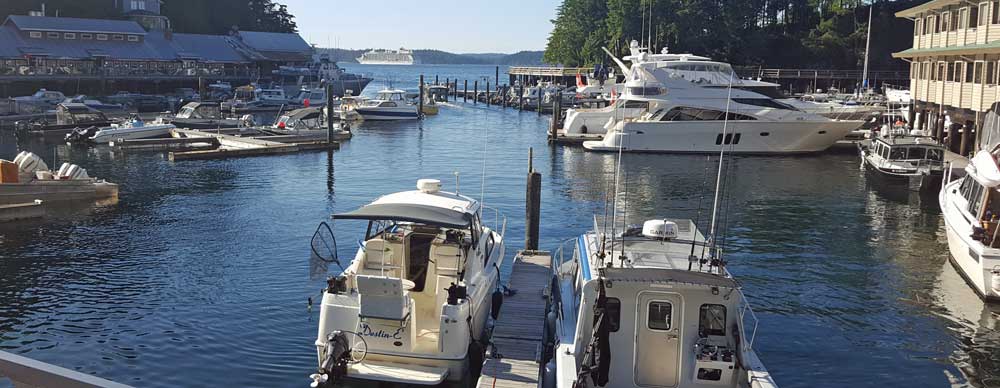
383, 297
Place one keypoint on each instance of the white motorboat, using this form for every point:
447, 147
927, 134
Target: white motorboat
971, 209
130, 130
650, 306
413, 303
32, 180
389, 104
308, 97
689, 112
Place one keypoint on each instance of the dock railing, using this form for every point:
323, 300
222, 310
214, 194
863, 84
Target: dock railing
26, 372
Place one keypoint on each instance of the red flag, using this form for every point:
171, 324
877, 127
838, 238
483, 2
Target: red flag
614, 96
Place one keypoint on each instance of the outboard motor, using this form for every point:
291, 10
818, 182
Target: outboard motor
81, 135
334, 365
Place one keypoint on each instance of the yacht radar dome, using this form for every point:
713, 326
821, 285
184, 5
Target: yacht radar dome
659, 229
429, 186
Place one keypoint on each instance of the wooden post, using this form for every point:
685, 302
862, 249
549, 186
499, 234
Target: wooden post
420, 103
487, 93
447, 86
964, 146
939, 128
436, 82
329, 114
556, 115
520, 97
465, 94
952, 134
533, 197
475, 92
498, 75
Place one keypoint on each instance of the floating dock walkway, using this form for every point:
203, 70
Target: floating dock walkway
517, 334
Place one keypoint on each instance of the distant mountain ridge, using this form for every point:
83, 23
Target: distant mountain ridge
438, 57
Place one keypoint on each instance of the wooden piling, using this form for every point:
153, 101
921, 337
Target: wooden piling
420, 103
533, 196
964, 146
498, 75
436, 82
939, 128
329, 114
475, 92
952, 134
487, 93
520, 97
448, 86
465, 94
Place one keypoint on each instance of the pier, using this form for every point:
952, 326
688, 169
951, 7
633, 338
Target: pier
514, 359
26, 372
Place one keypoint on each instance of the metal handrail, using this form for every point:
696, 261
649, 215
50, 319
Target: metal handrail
497, 215
747, 345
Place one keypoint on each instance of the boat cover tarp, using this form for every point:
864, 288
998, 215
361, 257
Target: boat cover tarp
423, 214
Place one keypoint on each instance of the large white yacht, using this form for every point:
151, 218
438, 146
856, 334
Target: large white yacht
971, 209
412, 305
687, 114
651, 306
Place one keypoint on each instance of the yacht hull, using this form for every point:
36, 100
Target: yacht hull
108, 135
915, 182
969, 257
383, 114
747, 137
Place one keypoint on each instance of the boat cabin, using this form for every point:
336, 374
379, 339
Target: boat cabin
980, 199
79, 114
906, 154
389, 99
200, 110
305, 118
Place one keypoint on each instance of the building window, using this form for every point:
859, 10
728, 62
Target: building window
984, 14
973, 16
53, 35
991, 73
913, 70
119, 37
928, 25
658, 316
934, 76
917, 27
138, 4
946, 21
959, 70
69, 35
950, 77
942, 70
977, 75
954, 21
102, 36
133, 38
35, 34
995, 7
86, 36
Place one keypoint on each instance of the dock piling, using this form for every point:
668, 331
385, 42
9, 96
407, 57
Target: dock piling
520, 97
487, 93
420, 103
533, 204
964, 145
465, 94
475, 92
329, 114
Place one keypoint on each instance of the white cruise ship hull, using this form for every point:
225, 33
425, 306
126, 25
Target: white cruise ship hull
970, 258
748, 137
366, 62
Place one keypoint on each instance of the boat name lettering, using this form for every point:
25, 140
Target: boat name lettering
367, 331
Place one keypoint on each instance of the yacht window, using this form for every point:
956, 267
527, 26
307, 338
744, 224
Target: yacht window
884, 153
635, 104
695, 114
658, 316
935, 154
387, 104
644, 91
613, 311
712, 320
897, 153
764, 102
490, 244
916, 153
976, 200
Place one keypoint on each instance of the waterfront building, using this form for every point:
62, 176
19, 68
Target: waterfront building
140, 53
954, 64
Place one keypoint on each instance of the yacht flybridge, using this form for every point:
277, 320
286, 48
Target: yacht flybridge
651, 306
412, 305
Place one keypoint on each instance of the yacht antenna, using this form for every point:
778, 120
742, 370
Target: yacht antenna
722, 154
486, 143
649, 32
642, 29
618, 167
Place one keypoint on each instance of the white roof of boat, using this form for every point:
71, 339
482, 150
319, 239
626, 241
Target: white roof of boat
391, 91
648, 253
440, 199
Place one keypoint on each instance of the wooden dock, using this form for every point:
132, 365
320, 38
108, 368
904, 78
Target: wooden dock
517, 335
235, 146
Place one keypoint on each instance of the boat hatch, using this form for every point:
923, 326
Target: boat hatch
395, 373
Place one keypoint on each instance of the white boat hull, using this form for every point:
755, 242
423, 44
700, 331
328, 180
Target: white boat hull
145, 132
384, 114
972, 260
750, 137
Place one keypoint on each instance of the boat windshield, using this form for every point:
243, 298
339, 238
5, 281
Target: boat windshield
706, 72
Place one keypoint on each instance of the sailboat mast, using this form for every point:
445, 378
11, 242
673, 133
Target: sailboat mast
868, 45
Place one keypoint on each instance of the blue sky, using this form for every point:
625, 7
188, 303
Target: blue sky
490, 25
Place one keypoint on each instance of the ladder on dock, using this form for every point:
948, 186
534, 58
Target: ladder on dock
517, 334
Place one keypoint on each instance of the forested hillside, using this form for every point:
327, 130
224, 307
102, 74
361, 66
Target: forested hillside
772, 33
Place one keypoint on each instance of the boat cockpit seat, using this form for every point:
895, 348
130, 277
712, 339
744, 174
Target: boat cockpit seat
447, 258
383, 258
383, 297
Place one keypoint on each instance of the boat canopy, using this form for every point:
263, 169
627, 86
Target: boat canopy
424, 214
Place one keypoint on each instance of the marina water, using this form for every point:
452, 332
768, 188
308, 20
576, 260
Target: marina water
200, 275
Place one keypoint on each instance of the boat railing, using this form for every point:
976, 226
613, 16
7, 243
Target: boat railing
558, 260
499, 220
747, 316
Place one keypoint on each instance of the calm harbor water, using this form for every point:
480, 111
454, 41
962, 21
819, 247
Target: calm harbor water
200, 275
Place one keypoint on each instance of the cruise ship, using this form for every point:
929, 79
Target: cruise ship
387, 57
